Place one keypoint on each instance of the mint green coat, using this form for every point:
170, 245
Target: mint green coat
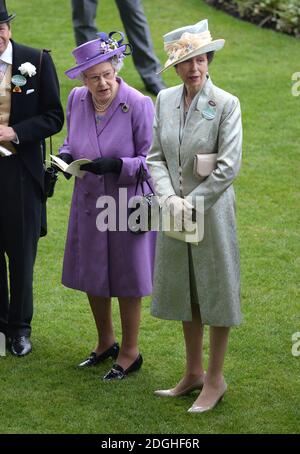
216, 258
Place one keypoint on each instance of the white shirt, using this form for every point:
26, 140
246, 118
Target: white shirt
7, 55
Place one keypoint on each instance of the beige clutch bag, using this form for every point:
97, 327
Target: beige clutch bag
194, 236
184, 236
204, 164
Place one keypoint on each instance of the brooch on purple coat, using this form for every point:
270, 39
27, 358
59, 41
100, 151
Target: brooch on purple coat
125, 107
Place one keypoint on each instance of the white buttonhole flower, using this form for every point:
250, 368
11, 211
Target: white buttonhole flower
27, 69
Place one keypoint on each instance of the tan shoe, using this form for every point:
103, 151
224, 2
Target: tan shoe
203, 408
198, 384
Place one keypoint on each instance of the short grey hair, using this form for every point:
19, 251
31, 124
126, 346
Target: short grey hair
117, 63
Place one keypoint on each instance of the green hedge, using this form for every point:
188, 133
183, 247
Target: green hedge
282, 15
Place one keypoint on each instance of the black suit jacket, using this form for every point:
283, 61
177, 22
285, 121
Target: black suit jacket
39, 114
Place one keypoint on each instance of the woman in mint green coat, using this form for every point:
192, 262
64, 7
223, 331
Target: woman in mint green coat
198, 284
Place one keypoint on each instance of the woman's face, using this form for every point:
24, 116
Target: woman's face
193, 72
101, 81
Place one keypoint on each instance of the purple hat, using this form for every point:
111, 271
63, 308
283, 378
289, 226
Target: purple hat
97, 51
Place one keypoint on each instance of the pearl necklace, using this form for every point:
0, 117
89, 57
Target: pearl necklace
102, 107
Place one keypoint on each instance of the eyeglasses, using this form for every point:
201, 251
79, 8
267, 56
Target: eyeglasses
95, 79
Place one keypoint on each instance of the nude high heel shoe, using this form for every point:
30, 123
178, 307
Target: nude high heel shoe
203, 408
198, 384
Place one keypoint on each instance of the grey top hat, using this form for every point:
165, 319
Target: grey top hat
4, 16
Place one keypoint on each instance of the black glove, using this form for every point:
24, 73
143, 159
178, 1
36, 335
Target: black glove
100, 166
66, 157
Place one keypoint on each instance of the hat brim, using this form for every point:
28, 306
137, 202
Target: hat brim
74, 72
214, 46
8, 19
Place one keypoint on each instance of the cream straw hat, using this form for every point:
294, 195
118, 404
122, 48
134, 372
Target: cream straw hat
188, 42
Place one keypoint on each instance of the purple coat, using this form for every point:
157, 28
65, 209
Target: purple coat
111, 263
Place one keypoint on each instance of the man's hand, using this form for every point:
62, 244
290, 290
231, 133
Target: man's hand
7, 134
100, 166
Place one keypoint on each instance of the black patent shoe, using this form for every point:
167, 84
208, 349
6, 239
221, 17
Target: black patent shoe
118, 373
20, 346
95, 359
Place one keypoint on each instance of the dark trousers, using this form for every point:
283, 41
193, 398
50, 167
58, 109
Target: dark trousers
137, 30
20, 218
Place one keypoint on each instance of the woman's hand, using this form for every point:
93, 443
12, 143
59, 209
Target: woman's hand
180, 208
100, 166
67, 158
178, 204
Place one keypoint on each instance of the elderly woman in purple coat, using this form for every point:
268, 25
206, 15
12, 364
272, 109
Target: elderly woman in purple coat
109, 123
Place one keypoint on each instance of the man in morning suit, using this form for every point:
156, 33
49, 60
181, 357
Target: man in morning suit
30, 111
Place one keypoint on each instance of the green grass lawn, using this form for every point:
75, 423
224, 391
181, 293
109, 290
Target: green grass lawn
44, 392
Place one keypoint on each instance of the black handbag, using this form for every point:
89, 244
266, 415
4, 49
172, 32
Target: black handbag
50, 179
147, 203
50, 174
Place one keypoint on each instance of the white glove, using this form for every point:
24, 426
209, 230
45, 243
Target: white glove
181, 209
